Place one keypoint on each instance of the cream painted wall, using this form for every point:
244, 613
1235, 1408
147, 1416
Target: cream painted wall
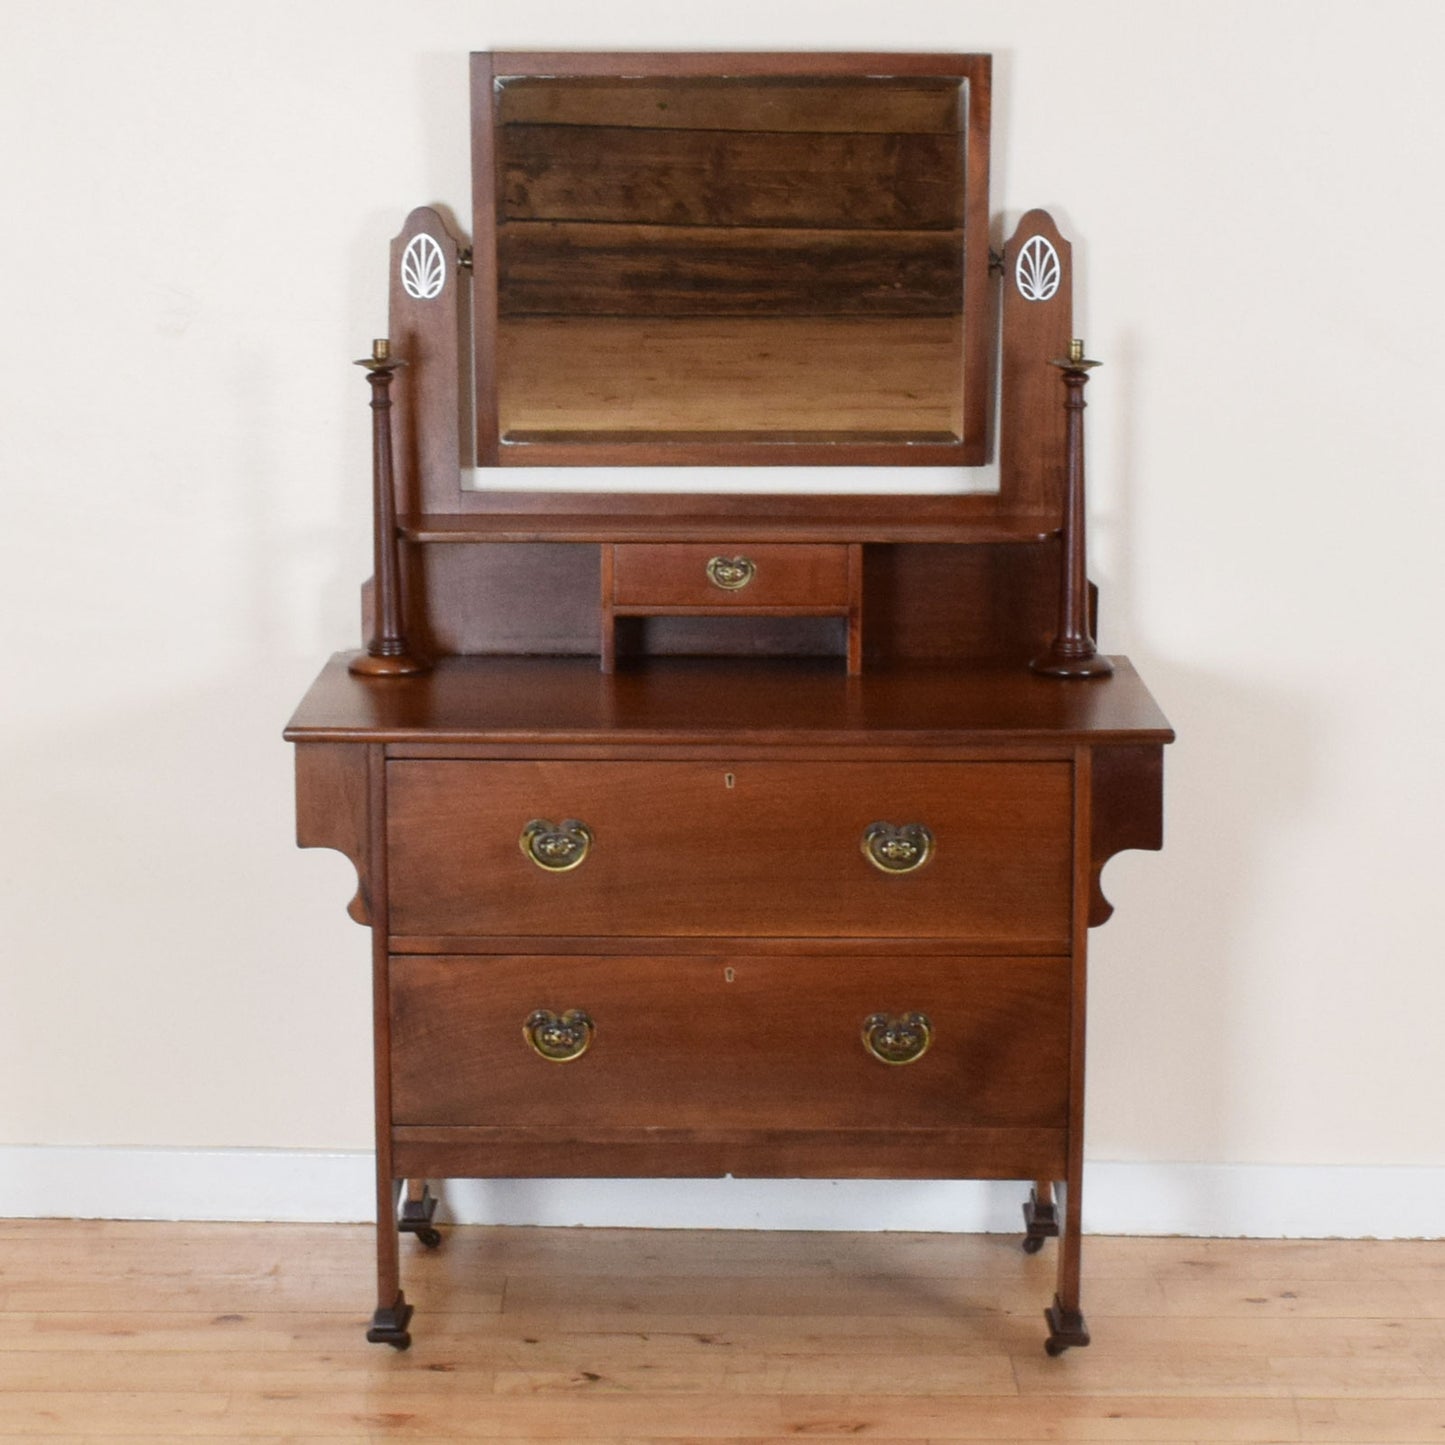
198, 199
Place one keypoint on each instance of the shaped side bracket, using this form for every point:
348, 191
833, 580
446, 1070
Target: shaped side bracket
331, 810
1127, 812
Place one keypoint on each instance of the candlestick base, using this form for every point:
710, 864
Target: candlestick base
1054, 663
368, 664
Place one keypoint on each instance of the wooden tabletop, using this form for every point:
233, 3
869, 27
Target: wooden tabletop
566, 700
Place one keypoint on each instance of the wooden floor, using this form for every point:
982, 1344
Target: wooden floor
223, 1332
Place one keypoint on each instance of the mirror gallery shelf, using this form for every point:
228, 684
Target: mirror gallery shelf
816, 526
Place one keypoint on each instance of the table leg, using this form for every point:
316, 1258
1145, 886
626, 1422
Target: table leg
417, 1208
1066, 1319
393, 1314
1041, 1217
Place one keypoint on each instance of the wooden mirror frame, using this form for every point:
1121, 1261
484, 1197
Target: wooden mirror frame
971, 449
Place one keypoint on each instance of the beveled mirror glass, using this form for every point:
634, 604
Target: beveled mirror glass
693, 258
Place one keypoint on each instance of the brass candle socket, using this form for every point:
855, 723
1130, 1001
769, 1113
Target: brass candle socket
381, 358
1075, 360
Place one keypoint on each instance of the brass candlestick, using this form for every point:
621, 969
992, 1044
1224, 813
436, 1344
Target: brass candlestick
387, 653
1073, 654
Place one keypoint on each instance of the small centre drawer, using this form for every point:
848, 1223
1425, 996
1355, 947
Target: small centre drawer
768, 575
720, 1042
973, 851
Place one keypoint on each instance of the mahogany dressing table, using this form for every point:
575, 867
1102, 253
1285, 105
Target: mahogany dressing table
724, 833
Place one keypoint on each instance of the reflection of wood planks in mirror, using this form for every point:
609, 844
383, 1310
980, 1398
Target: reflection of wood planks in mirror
579, 268
639, 222
860, 104
730, 178
832, 377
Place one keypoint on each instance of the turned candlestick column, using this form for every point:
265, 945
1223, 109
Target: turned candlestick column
1072, 653
387, 653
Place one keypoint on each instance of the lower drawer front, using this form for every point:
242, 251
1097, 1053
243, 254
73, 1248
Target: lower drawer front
730, 1043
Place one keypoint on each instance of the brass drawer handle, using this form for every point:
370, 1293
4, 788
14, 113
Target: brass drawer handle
731, 573
897, 1040
902, 849
559, 1039
557, 847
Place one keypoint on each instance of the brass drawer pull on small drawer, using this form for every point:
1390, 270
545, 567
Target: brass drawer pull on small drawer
730, 573
559, 1040
897, 1040
903, 849
557, 847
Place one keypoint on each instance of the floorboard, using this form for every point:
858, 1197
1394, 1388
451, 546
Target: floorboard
170, 1332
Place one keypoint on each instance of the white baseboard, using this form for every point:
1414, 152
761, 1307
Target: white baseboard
1252, 1200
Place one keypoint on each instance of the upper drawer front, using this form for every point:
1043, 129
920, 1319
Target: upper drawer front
741, 575
758, 848
718, 1043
